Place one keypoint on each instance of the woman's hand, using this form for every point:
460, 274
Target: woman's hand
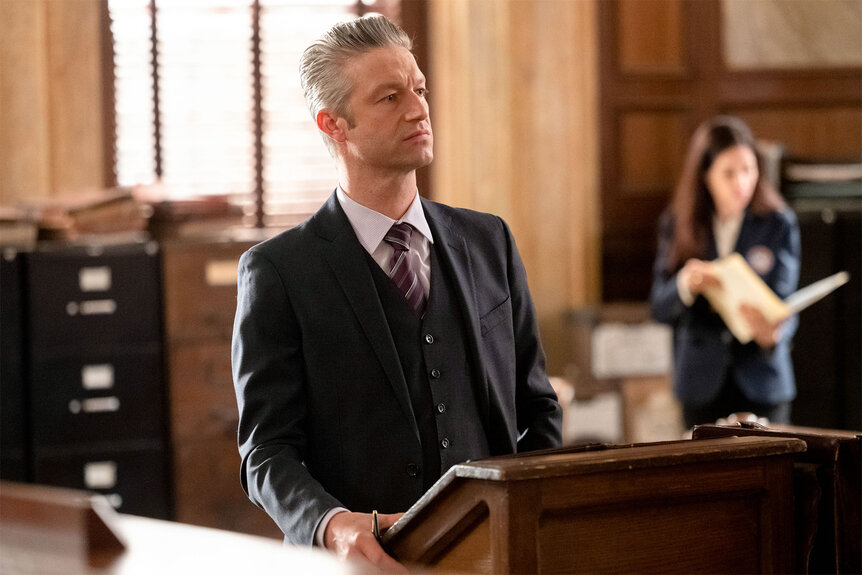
764, 332
698, 276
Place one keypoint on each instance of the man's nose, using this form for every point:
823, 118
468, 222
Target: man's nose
417, 107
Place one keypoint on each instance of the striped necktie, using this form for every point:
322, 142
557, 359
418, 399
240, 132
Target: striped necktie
402, 266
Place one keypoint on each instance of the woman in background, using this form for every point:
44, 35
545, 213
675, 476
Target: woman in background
722, 205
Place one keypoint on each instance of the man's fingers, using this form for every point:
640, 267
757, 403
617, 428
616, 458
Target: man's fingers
388, 519
374, 553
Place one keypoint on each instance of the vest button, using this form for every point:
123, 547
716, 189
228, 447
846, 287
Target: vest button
441, 407
412, 469
435, 373
429, 338
444, 443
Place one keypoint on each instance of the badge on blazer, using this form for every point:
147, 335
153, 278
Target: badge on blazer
761, 259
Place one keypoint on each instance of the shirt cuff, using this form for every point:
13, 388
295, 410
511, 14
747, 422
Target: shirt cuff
684, 293
321, 527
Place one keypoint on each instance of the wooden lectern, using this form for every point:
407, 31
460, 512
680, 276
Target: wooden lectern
710, 506
827, 493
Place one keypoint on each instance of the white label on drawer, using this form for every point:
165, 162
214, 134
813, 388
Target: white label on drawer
97, 376
100, 474
98, 307
94, 278
101, 404
221, 272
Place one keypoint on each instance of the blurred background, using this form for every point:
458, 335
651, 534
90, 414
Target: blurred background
145, 144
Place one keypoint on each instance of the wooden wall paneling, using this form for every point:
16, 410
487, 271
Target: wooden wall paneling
52, 134
414, 20
75, 69
651, 36
24, 118
829, 132
554, 205
652, 150
514, 109
648, 106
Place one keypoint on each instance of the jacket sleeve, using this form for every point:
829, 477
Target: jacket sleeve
666, 305
785, 278
269, 382
539, 415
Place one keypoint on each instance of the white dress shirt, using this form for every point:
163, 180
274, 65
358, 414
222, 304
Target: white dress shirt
371, 227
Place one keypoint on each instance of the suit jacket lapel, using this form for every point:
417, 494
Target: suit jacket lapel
452, 250
743, 240
346, 257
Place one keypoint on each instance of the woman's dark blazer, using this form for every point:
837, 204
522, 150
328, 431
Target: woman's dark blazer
325, 416
705, 352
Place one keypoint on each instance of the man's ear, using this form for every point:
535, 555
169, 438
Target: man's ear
331, 125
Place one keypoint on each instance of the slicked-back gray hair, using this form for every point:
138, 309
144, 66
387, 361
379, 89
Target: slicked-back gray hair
321, 68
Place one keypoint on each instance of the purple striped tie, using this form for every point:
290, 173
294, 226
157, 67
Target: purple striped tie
402, 267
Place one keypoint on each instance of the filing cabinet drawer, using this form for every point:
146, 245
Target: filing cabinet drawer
200, 289
203, 402
98, 397
134, 477
81, 297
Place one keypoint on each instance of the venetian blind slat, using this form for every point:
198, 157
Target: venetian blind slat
205, 97
298, 171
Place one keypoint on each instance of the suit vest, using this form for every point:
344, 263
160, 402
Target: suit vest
436, 362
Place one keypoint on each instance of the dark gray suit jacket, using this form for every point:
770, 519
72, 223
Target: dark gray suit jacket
325, 415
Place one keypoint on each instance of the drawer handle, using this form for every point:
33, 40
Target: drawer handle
95, 405
92, 307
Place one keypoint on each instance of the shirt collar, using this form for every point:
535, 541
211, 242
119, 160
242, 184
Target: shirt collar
726, 233
371, 226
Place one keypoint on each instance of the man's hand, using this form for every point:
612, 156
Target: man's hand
349, 535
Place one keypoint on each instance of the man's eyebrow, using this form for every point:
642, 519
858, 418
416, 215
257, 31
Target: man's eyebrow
396, 85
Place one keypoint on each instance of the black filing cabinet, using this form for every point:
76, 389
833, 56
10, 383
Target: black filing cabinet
14, 460
827, 352
97, 403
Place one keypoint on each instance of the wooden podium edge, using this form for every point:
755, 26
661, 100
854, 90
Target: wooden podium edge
35, 516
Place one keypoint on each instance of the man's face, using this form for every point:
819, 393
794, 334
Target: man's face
391, 129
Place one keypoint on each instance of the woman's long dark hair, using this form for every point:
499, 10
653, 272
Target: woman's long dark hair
693, 206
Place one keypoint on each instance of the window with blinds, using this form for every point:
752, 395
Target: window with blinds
208, 100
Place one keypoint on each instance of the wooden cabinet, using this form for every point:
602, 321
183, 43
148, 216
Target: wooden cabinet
200, 303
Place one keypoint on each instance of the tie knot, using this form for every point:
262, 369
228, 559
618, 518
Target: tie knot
399, 236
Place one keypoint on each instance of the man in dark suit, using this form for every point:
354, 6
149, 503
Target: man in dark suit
388, 337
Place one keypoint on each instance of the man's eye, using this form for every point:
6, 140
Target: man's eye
390, 98
422, 92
